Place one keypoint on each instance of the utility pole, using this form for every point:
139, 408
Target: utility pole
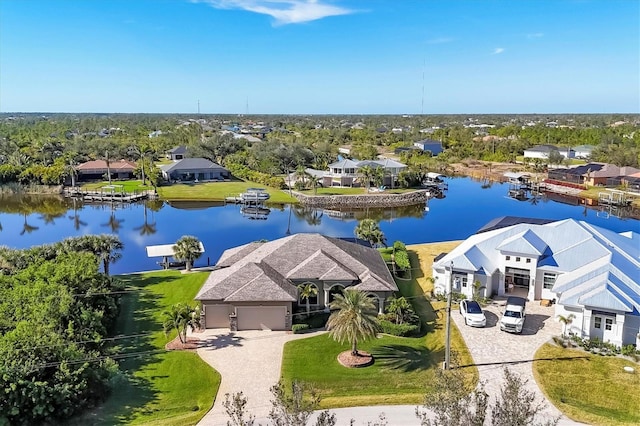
447, 343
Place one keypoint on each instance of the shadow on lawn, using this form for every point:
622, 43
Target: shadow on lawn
526, 361
131, 393
405, 358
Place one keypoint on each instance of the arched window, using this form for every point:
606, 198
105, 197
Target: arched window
336, 289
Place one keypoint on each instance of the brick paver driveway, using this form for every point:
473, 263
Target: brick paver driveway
492, 349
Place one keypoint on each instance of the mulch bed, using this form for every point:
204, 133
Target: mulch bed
177, 345
363, 359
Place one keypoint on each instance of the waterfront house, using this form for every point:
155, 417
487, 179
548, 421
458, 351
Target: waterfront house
583, 151
596, 174
256, 285
194, 169
542, 152
433, 146
98, 170
588, 271
347, 172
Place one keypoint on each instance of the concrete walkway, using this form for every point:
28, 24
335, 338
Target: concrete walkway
248, 361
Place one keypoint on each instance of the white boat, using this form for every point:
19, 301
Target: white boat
254, 195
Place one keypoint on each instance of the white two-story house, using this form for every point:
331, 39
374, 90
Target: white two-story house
590, 272
347, 172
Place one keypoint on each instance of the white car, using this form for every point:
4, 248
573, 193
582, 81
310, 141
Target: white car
472, 313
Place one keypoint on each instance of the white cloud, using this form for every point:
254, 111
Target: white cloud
535, 35
440, 40
283, 11
498, 50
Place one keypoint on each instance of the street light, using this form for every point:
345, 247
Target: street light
447, 343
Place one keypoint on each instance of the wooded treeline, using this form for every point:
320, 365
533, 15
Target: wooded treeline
56, 308
44, 150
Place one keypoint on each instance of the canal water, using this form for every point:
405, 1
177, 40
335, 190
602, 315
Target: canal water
466, 207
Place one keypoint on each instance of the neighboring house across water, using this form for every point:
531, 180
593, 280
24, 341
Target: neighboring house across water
255, 286
590, 272
597, 174
543, 151
177, 153
433, 146
347, 172
194, 169
97, 170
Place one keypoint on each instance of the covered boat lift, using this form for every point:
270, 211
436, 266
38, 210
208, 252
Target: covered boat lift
166, 251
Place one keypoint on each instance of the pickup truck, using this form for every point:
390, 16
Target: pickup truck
514, 314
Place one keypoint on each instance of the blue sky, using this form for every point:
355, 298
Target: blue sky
320, 56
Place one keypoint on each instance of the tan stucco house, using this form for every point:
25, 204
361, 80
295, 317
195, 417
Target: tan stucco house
255, 286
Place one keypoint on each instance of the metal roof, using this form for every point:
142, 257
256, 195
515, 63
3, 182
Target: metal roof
165, 250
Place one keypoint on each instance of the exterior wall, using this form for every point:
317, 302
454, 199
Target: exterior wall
200, 174
631, 330
535, 154
576, 327
513, 262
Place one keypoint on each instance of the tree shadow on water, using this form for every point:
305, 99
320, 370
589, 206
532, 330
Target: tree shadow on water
405, 358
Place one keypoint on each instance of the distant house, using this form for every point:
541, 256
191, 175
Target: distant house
583, 151
590, 272
177, 153
542, 151
155, 134
346, 172
97, 170
596, 174
433, 146
194, 169
257, 285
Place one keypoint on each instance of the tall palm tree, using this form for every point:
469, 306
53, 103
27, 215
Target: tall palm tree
187, 249
301, 173
107, 247
354, 318
366, 173
566, 321
369, 230
307, 291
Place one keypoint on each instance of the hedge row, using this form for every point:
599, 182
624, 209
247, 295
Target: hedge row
401, 330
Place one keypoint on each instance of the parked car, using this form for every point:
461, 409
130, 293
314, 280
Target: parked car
514, 314
472, 313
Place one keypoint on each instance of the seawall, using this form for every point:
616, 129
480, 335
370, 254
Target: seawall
364, 200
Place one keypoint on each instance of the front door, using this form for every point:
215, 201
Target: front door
603, 327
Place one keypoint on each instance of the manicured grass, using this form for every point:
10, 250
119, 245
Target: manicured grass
404, 367
589, 388
354, 191
120, 185
425, 254
218, 191
158, 387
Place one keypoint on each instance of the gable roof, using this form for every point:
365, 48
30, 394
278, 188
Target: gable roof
115, 166
267, 271
526, 242
191, 164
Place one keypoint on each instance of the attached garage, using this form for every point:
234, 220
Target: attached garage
216, 316
261, 317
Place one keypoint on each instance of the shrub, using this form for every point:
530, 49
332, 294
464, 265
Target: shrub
401, 330
402, 260
299, 328
399, 246
628, 350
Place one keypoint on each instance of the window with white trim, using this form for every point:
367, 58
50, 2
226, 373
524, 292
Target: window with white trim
507, 257
608, 323
597, 322
528, 260
517, 259
548, 280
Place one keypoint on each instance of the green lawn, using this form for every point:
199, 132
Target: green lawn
158, 387
403, 369
120, 185
218, 191
589, 388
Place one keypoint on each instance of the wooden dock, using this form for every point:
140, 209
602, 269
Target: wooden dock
102, 196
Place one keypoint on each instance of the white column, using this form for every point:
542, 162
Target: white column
326, 299
380, 305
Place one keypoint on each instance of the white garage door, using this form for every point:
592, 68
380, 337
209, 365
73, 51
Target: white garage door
261, 317
216, 316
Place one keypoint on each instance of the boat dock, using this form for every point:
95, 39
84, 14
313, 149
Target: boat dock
101, 196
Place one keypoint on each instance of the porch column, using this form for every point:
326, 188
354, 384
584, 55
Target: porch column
326, 299
380, 305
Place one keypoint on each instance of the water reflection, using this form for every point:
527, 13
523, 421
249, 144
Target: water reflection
26, 228
255, 212
114, 223
77, 223
146, 228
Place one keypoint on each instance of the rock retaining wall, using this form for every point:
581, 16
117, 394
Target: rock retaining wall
364, 200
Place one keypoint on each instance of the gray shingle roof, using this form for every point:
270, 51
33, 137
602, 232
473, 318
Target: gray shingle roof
264, 271
191, 164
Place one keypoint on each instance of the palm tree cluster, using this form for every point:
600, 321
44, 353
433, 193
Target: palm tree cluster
369, 230
180, 317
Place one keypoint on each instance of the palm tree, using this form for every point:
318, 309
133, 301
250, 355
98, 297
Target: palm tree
566, 321
399, 307
368, 229
366, 173
354, 318
107, 247
187, 249
180, 317
378, 176
307, 291
302, 174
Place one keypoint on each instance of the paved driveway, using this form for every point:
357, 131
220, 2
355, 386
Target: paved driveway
492, 349
249, 361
